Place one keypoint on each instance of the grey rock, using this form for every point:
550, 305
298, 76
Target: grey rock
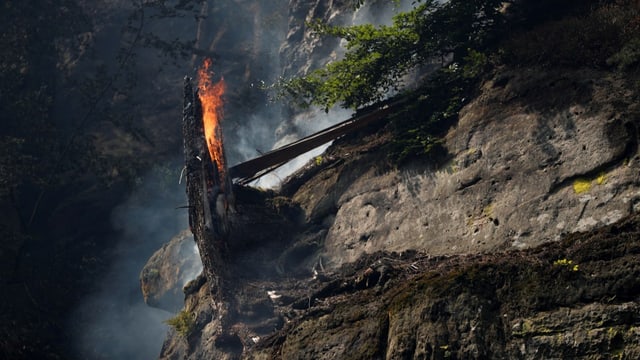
168, 270
518, 176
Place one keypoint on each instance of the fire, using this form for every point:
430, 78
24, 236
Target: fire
211, 98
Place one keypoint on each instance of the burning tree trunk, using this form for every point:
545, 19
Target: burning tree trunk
208, 193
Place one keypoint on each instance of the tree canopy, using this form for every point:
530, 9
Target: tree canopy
378, 57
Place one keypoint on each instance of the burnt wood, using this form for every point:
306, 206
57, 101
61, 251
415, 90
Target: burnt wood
252, 169
209, 230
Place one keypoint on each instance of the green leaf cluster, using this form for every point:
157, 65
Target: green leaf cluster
377, 58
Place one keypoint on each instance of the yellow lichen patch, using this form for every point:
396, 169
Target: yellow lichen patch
488, 210
567, 263
581, 185
453, 168
563, 262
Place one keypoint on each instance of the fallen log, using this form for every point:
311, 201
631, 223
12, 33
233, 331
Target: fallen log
252, 169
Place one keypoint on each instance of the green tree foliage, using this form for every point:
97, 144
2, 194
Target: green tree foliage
471, 36
378, 57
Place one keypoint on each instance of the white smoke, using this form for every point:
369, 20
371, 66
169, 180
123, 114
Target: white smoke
305, 123
381, 12
114, 322
258, 135
193, 266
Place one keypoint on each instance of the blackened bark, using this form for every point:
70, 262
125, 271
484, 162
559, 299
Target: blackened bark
209, 230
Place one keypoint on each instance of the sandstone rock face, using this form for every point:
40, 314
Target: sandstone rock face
570, 299
527, 165
302, 50
168, 271
482, 256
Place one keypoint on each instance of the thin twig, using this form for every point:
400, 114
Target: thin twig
182, 173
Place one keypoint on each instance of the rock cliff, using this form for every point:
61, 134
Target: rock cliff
443, 259
520, 241
536, 155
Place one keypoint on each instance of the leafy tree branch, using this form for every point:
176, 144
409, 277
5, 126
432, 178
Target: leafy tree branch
379, 57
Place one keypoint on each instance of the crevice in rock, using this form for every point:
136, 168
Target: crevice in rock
630, 150
584, 207
384, 337
465, 184
229, 343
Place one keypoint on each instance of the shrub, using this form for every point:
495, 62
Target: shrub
183, 323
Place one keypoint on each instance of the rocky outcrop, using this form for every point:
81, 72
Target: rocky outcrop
481, 255
382, 262
570, 299
168, 270
303, 50
537, 155
258, 249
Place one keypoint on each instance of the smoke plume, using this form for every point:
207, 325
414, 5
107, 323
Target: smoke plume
114, 322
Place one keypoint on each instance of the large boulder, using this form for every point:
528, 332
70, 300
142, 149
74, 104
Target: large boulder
168, 271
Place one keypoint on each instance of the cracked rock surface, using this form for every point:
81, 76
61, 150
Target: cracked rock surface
535, 156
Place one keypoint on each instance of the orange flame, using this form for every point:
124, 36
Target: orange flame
211, 98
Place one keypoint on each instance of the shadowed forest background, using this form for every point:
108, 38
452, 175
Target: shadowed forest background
90, 110
91, 101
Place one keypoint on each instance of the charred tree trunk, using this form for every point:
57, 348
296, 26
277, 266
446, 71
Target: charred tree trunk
208, 226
